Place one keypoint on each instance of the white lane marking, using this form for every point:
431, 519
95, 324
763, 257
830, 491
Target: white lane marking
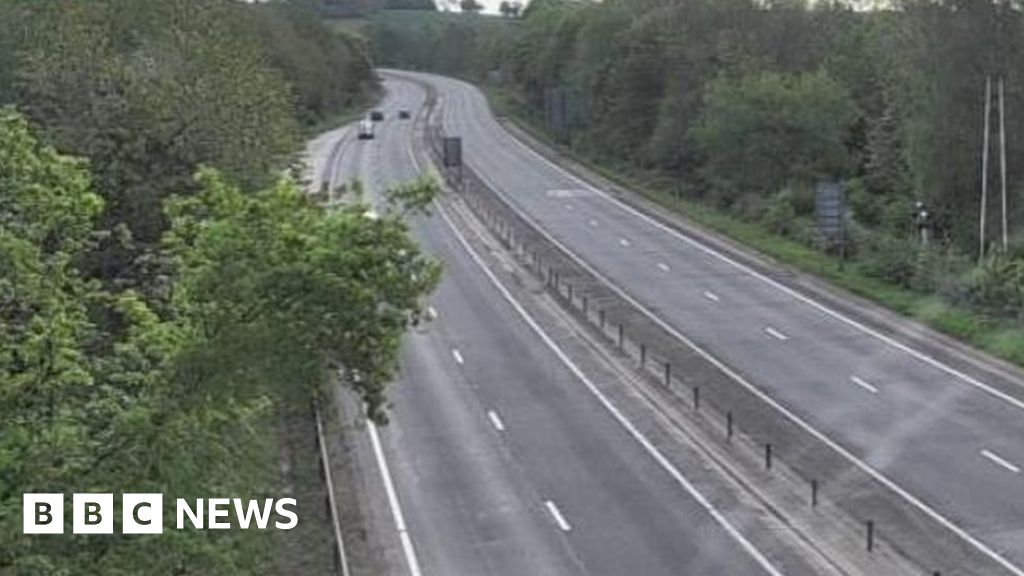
1016, 402
396, 508
864, 384
767, 398
557, 514
608, 405
567, 193
458, 356
624, 242
593, 223
775, 334
999, 460
496, 421
664, 267
711, 296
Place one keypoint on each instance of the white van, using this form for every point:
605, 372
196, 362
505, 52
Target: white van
366, 129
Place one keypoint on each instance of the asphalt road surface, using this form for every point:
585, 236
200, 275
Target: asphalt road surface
953, 442
503, 462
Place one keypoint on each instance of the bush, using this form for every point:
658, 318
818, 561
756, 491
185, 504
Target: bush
891, 259
998, 285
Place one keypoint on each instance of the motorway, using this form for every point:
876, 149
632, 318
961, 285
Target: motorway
952, 443
499, 458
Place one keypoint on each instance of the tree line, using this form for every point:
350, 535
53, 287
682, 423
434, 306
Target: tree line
746, 105
167, 297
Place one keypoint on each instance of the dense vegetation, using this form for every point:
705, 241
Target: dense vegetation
167, 298
744, 106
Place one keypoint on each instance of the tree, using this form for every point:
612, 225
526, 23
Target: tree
102, 391
341, 287
470, 6
510, 9
760, 132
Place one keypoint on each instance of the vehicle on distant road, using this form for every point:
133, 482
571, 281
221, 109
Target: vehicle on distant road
376, 116
366, 129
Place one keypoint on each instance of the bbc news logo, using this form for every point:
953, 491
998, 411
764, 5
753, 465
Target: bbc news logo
143, 513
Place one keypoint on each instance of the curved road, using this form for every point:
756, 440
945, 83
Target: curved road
952, 441
503, 462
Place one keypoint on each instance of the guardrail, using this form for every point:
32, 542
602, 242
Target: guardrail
747, 426
341, 566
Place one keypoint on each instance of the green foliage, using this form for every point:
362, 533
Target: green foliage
342, 287
454, 43
329, 71
103, 389
778, 129
149, 90
999, 284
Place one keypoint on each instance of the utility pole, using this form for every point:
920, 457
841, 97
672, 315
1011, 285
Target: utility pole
984, 169
1002, 161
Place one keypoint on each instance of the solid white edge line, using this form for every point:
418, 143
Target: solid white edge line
997, 459
557, 515
775, 333
496, 421
1018, 403
864, 384
458, 356
849, 456
396, 508
618, 416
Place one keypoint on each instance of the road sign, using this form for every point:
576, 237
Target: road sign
829, 208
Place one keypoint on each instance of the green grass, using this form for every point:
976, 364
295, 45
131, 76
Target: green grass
999, 337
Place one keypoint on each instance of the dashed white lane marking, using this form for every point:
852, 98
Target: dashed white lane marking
889, 483
458, 356
593, 223
624, 242
496, 421
1000, 461
711, 296
864, 384
775, 333
664, 462
557, 514
664, 267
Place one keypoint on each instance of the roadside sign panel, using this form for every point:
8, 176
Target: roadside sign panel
829, 207
452, 146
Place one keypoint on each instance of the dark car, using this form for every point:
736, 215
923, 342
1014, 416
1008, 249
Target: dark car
376, 115
404, 115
